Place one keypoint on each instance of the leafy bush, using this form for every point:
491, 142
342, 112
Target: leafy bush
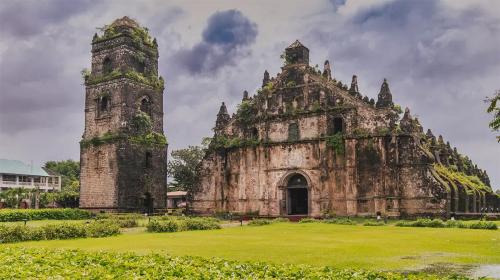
123, 220
455, 224
126, 223
74, 264
263, 222
373, 224
202, 224
18, 233
449, 224
260, 222
422, 223
308, 220
340, 221
102, 229
483, 225
165, 226
174, 224
15, 215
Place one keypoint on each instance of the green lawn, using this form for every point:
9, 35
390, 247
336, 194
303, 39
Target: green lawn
380, 248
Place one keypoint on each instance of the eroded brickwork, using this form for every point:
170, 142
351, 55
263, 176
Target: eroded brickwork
123, 150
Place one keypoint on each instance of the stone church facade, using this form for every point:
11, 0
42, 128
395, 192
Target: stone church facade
123, 148
307, 144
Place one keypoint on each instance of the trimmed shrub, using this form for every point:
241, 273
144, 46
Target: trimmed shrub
174, 224
308, 220
483, 225
422, 223
373, 224
102, 229
201, 224
449, 224
260, 222
340, 221
16, 215
263, 222
455, 224
63, 231
126, 223
281, 220
18, 233
164, 226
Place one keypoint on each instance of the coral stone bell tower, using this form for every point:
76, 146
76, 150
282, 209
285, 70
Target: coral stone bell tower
123, 150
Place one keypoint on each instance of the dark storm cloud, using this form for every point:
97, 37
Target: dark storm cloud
225, 38
26, 18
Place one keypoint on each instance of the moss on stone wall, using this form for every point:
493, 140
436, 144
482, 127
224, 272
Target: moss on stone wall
470, 183
149, 139
106, 138
156, 82
143, 134
224, 142
140, 35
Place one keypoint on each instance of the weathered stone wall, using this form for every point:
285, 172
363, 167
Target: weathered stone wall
357, 156
98, 177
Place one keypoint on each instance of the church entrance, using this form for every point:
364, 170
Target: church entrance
297, 196
148, 203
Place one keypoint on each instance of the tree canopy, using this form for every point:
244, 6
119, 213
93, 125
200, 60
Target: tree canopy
494, 108
182, 167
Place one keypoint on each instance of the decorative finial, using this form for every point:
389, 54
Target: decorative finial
266, 79
440, 140
354, 85
429, 133
384, 99
327, 72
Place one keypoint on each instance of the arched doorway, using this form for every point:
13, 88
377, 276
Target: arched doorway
148, 203
297, 195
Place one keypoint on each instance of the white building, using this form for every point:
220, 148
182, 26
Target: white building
16, 174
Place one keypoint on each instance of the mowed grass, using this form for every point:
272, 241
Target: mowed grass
378, 248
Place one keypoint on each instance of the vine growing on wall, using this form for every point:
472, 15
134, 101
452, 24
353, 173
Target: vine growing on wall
470, 182
246, 113
336, 142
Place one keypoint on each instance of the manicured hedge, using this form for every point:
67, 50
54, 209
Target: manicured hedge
72, 264
124, 220
337, 221
449, 224
263, 222
174, 224
15, 215
18, 233
373, 223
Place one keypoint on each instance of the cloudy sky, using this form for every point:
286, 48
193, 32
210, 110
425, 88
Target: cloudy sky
441, 59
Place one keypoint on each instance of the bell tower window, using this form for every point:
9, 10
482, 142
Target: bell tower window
148, 160
338, 125
145, 106
293, 132
107, 66
103, 105
254, 134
